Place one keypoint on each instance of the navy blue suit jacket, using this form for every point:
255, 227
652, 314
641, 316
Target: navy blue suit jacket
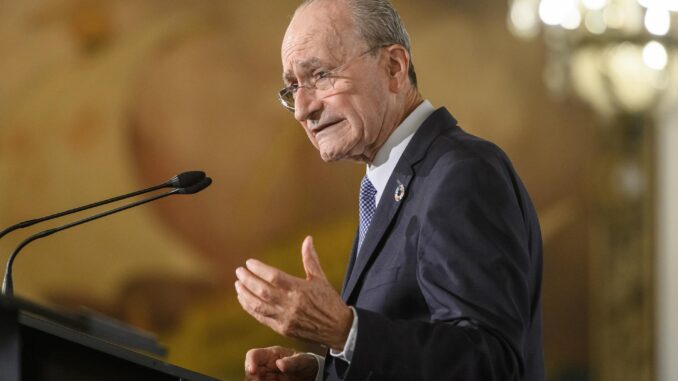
447, 282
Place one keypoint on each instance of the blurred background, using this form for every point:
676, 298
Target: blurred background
99, 98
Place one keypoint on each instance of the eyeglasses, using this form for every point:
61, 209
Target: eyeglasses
321, 80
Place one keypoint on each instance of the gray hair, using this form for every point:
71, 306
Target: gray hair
379, 24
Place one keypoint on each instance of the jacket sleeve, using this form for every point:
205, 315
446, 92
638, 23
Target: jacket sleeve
473, 269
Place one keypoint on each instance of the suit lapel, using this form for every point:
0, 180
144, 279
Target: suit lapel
388, 205
351, 263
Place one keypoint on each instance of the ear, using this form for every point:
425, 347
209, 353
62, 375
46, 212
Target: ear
398, 65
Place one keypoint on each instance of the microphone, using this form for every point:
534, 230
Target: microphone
182, 180
197, 186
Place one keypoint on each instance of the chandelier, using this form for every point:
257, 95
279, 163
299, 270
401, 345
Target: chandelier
618, 55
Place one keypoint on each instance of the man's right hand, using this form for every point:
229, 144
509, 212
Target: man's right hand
279, 364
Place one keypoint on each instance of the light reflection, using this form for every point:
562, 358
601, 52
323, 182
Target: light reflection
551, 11
657, 21
555, 12
671, 5
655, 56
523, 20
572, 20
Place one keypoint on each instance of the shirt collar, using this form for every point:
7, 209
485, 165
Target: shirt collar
389, 154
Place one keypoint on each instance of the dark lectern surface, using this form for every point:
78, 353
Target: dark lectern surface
37, 344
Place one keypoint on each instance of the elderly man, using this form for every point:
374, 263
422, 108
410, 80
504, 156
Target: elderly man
444, 278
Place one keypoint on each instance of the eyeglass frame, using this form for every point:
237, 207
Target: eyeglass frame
323, 75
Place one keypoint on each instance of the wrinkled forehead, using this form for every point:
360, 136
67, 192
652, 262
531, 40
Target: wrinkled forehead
319, 34
306, 42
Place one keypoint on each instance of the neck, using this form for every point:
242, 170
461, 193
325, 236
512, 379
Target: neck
408, 102
412, 101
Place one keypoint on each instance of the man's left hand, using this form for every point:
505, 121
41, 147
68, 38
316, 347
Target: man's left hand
308, 309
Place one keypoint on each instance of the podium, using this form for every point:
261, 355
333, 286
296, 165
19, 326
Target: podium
38, 344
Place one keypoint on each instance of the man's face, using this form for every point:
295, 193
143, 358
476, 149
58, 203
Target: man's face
345, 121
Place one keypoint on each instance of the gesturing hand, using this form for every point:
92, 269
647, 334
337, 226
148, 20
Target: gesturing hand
279, 364
308, 309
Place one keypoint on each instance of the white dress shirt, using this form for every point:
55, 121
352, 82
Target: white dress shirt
379, 171
389, 154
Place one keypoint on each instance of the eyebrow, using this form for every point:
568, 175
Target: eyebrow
312, 62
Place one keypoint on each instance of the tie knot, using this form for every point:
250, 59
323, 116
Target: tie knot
367, 190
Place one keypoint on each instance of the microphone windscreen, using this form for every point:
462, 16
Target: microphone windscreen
197, 187
186, 179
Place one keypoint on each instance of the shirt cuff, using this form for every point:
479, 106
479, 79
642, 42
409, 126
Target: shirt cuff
347, 353
321, 366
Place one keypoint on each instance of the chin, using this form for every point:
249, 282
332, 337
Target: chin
330, 157
330, 154
340, 152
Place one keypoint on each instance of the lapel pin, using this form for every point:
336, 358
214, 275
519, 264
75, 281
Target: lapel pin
400, 192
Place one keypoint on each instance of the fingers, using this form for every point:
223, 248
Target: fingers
255, 306
265, 293
310, 259
257, 358
257, 293
268, 273
260, 363
299, 363
291, 306
262, 356
257, 286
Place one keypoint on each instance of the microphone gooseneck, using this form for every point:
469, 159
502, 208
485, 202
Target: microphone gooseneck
195, 182
182, 180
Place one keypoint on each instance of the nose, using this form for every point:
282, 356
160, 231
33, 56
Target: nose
306, 105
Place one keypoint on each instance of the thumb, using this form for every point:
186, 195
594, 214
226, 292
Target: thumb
293, 364
310, 259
